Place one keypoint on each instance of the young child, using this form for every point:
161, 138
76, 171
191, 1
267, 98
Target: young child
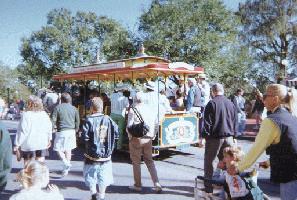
237, 184
242, 186
99, 133
34, 177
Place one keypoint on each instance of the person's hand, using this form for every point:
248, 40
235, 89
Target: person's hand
49, 144
53, 188
221, 165
264, 164
232, 170
15, 149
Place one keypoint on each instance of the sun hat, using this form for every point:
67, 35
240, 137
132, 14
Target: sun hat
150, 85
122, 86
193, 80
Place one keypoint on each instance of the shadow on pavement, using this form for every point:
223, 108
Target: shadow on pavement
173, 190
64, 184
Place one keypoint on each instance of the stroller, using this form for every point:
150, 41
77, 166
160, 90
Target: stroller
11, 113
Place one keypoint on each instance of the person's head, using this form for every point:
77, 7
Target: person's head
232, 155
34, 103
217, 89
139, 97
126, 93
93, 94
259, 96
104, 96
97, 105
201, 77
179, 94
65, 97
150, 86
35, 173
239, 91
277, 95
191, 82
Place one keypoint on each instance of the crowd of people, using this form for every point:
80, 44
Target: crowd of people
222, 120
11, 111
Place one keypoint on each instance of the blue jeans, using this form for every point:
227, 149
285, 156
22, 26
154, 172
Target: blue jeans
288, 190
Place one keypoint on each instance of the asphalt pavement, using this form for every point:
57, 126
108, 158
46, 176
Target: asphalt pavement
177, 170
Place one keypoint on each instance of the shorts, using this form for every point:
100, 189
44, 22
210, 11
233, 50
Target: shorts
99, 173
65, 140
33, 154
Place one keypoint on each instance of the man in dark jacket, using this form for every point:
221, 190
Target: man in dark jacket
220, 122
5, 156
99, 133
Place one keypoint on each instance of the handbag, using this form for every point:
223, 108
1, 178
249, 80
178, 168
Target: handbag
140, 129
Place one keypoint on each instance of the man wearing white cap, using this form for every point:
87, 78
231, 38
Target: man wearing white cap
205, 97
118, 103
150, 96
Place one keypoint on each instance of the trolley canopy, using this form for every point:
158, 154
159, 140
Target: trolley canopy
133, 68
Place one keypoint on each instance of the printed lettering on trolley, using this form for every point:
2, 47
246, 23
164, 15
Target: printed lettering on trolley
114, 65
180, 130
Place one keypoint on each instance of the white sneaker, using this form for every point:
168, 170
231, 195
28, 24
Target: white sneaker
66, 170
135, 188
158, 187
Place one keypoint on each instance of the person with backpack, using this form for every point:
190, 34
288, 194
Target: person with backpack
99, 134
142, 144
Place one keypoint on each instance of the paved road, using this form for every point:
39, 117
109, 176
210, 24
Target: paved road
176, 170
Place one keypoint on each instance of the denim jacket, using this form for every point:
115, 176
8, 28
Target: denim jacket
99, 133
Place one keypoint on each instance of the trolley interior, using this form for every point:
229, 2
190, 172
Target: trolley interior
176, 130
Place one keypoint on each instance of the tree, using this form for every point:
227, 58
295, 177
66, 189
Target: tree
195, 31
9, 80
68, 40
270, 29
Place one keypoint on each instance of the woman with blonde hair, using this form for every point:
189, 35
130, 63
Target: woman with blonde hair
278, 136
34, 177
34, 133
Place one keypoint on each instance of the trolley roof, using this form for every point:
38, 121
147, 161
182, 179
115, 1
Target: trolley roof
133, 68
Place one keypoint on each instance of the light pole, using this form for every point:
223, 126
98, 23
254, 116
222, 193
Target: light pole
282, 74
8, 96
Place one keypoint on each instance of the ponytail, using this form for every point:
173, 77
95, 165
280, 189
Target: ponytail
292, 101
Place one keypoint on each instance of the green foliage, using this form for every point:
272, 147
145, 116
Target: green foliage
69, 40
200, 32
9, 79
270, 29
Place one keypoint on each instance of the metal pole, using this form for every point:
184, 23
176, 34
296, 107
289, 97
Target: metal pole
8, 96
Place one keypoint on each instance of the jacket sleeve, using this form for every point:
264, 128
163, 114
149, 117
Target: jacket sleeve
115, 129
54, 116
22, 131
190, 99
7, 156
49, 127
208, 120
269, 133
76, 120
